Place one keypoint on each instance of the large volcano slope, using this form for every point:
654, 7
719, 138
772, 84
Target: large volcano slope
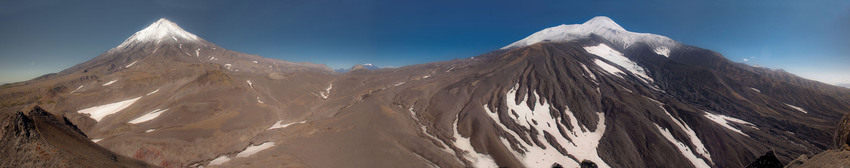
40, 139
600, 96
559, 103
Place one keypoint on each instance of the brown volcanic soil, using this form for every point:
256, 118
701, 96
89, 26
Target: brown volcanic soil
41, 139
222, 102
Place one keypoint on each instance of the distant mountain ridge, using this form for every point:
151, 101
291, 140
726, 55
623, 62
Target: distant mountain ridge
601, 26
570, 96
356, 67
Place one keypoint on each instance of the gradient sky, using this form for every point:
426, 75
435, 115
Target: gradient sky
808, 38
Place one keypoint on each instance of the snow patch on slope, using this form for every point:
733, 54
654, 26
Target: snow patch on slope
589, 73
724, 121
157, 90
78, 88
425, 131
110, 82
700, 147
251, 150
616, 57
608, 68
279, 125
147, 117
662, 51
98, 112
582, 143
465, 145
131, 64
684, 149
220, 160
495, 117
327, 91
797, 108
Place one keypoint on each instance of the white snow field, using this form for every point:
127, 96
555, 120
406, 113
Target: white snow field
219, 160
797, 108
251, 150
157, 90
157, 31
110, 82
98, 112
78, 88
147, 117
616, 57
600, 25
327, 91
696, 161
582, 142
279, 125
724, 121
609, 68
662, 51
464, 144
700, 147
131, 64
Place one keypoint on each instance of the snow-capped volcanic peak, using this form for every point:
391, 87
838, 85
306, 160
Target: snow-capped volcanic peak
603, 22
160, 31
600, 25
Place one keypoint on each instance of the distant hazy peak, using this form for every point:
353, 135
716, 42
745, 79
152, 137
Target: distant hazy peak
159, 31
599, 25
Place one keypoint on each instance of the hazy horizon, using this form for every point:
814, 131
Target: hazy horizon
41, 37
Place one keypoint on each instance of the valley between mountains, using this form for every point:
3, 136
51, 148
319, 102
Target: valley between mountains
580, 95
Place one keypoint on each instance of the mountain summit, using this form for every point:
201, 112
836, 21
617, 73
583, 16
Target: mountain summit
162, 29
603, 22
577, 95
600, 26
163, 45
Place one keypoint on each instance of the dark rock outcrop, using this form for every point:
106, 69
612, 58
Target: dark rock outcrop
842, 133
839, 156
829, 158
43, 140
768, 160
588, 164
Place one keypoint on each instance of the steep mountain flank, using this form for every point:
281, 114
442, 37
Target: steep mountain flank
582, 95
40, 139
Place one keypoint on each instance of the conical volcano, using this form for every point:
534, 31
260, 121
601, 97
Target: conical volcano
591, 94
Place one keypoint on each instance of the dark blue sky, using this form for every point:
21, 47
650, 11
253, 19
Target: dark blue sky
808, 38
